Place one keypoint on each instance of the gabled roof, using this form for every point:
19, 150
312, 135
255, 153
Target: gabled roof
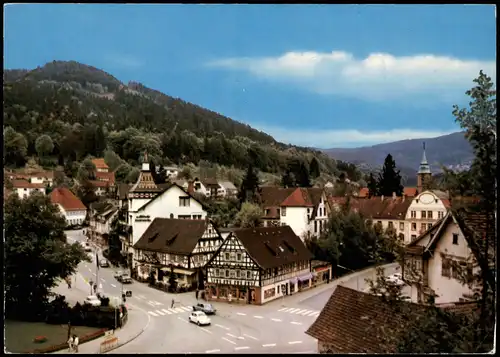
66, 198
273, 197
407, 191
145, 183
26, 184
166, 187
210, 181
272, 247
376, 207
100, 163
228, 185
349, 320
105, 176
299, 198
168, 235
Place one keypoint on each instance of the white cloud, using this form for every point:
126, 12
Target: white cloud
326, 139
378, 77
124, 60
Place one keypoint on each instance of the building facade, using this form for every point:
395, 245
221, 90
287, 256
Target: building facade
70, 206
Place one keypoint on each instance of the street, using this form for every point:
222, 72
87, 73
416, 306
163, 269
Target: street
277, 327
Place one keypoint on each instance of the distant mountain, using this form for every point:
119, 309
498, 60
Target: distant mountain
447, 150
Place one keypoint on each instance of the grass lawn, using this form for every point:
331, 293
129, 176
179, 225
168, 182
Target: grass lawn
19, 335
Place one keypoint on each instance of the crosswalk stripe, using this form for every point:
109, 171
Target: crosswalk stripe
173, 311
293, 310
299, 312
178, 309
283, 309
306, 312
166, 311
312, 313
185, 308
160, 312
315, 314
152, 313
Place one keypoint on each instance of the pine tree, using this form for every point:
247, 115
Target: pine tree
314, 170
288, 179
303, 179
372, 186
249, 186
389, 180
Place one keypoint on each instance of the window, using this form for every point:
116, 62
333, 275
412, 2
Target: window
424, 214
278, 211
227, 256
429, 214
249, 274
237, 273
233, 274
401, 226
455, 238
315, 226
267, 211
283, 212
227, 273
440, 214
320, 211
429, 225
413, 237
217, 272
413, 226
278, 287
423, 227
445, 267
413, 214
391, 225
184, 201
238, 257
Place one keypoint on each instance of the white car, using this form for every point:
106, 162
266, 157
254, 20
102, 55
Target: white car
93, 300
396, 279
199, 318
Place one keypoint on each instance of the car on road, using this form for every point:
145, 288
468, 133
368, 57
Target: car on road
208, 309
396, 279
93, 300
199, 318
125, 279
103, 263
118, 274
87, 247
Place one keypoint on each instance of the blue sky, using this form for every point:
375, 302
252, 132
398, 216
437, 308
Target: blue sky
315, 75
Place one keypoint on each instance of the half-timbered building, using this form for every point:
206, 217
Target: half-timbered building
179, 245
257, 265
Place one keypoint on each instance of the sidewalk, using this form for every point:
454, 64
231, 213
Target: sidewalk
137, 323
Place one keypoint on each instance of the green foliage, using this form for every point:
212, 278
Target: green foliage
249, 216
36, 253
222, 212
389, 180
372, 185
314, 170
15, 147
44, 145
112, 160
249, 190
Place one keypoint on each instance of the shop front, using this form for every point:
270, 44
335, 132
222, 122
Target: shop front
233, 294
322, 272
305, 281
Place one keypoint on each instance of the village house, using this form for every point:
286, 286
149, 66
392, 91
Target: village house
178, 245
258, 265
73, 210
24, 188
171, 171
442, 259
209, 187
101, 217
305, 210
228, 189
352, 321
104, 180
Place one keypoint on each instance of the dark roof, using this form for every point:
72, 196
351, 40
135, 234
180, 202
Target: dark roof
407, 191
145, 183
210, 181
122, 191
101, 207
350, 318
272, 247
377, 207
167, 186
168, 235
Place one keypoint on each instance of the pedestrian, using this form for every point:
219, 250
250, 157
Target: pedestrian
70, 344
75, 343
172, 304
197, 292
95, 287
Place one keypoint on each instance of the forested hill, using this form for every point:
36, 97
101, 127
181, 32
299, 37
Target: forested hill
84, 110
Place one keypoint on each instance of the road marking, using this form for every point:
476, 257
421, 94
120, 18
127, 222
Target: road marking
113, 285
160, 312
253, 338
222, 327
293, 310
296, 323
178, 309
269, 345
94, 274
86, 266
152, 313
315, 314
306, 312
212, 351
207, 331
180, 318
258, 317
277, 320
166, 311
294, 342
228, 340
300, 311
185, 308
103, 280
241, 348
174, 311
233, 336
141, 296
241, 314
283, 309
311, 313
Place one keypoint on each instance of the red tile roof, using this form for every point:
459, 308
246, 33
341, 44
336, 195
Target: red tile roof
376, 207
274, 197
363, 192
100, 163
407, 191
26, 184
299, 198
105, 176
103, 184
66, 199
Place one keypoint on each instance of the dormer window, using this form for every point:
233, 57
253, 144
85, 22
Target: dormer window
455, 238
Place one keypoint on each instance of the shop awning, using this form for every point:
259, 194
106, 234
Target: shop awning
183, 271
305, 277
293, 280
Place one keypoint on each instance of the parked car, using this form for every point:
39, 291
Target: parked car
125, 279
93, 300
208, 309
199, 318
103, 263
396, 279
87, 247
118, 275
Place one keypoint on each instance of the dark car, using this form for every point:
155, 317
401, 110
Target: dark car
208, 309
125, 279
103, 263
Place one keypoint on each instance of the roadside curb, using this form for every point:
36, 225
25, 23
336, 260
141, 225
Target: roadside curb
134, 336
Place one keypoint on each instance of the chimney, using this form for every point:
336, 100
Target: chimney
190, 188
382, 197
393, 196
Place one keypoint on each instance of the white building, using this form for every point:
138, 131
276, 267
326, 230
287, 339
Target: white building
431, 260
305, 210
70, 206
228, 189
24, 188
101, 217
172, 171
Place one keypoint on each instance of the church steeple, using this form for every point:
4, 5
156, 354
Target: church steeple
145, 162
145, 183
424, 173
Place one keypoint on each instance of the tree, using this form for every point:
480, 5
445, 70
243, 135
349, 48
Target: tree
44, 145
249, 187
87, 170
314, 169
112, 159
59, 178
303, 179
372, 186
32, 166
15, 147
389, 180
249, 216
36, 254
288, 179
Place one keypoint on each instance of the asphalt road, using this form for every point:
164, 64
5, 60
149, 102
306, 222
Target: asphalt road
277, 327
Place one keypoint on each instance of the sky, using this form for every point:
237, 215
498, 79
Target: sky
312, 75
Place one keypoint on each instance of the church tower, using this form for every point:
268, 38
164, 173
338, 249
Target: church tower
424, 174
145, 187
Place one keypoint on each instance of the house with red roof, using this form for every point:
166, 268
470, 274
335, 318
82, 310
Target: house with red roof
305, 210
24, 188
104, 179
70, 206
